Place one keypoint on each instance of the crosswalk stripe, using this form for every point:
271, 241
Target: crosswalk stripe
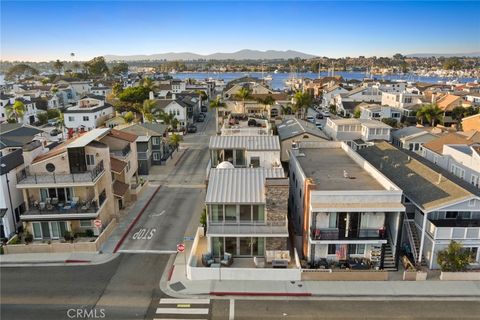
182, 311
184, 301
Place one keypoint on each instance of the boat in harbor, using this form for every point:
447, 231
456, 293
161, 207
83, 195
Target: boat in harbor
268, 77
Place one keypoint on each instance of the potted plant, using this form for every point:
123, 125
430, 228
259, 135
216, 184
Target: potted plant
203, 221
28, 237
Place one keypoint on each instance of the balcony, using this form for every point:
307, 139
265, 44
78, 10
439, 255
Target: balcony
25, 178
453, 229
353, 234
123, 153
75, 209
225, 228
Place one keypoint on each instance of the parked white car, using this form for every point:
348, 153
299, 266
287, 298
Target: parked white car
325, 113
311, 119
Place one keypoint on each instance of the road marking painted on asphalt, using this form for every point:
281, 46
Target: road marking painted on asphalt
148, 251
157, 214
182, 311
189, 301
231, 314
183, 305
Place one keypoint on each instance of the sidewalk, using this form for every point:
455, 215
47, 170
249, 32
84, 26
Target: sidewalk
321, 289
111, 244
70, 258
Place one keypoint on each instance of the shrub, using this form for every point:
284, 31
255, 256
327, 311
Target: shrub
68, 236
28, 237
454, 258
89, 233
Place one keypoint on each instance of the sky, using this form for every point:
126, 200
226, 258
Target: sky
42, 31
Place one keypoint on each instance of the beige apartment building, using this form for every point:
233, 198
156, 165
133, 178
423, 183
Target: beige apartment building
68, 187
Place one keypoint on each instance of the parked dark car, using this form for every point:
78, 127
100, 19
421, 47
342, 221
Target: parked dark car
200, 118
192, 128
252, 123
319, 116
204, 109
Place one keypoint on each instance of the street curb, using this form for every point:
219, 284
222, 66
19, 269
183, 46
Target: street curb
180, 157
262, 294
77, 261
130, 226
58, 263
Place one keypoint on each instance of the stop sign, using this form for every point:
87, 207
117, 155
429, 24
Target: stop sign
180, 247
97, 223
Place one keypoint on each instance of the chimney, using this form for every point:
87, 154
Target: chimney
295, 149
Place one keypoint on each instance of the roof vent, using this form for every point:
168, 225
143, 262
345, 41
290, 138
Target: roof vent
440, 176
411, 174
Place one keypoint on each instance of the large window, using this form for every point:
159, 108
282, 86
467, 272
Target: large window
216, 212
473, 251
331, 248
90, 159
258, 213
231, 213
62, 194
245, 213
240, 158
356, 249
49, 230
155, 141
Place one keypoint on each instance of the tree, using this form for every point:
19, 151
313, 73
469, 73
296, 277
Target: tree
117, 89
19, 70
149, 84
53, 113
42, 118
357, 113
287, 109
302, 102
457, 114
452, 63
128, 117
58, 65
134, 94
175, 139
398, 56
242, 94
430, 113
267, 101
97, 66
147, 110
61, 122
119, 68
454, 258
215, 105
16, 111
390, 121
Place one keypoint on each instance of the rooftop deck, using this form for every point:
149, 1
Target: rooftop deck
327, 168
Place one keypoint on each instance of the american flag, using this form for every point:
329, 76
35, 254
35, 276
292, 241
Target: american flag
341, 251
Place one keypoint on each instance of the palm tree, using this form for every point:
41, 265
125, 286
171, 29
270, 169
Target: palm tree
457, 114
267, 101
16, 111
60, 122
302, 102
149, 84
431, 113
175, 139
286, 109
243, 93
58, 65
147, 110
216, 104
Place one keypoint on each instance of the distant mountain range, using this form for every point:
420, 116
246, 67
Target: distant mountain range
239, 55
446, 55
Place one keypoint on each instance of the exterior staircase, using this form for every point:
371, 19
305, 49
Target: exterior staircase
414, 239
389, 259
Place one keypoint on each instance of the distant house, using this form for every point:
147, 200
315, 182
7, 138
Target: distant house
175, 107
357, 133
379, 112
447, 103
346, 102
412, 138
151, 146
101, 91
293, 131
91, 112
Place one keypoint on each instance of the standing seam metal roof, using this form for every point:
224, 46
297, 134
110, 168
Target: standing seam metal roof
239, 185
245, 142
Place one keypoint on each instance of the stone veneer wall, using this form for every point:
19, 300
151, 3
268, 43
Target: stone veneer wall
276, 195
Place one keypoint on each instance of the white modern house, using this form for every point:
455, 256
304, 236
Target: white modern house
439, 206
175, 108
379, 112
245, 151
342, 207
330, 92
357, 132
89, 113
401, 100
412, 138
345, 102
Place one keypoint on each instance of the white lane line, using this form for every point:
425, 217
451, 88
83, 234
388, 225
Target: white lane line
176, 319
157, 214
148, 251
182, 311
231, 314
184, 301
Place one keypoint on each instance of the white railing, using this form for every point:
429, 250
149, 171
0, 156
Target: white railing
454, 233
254, 227
242, 131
